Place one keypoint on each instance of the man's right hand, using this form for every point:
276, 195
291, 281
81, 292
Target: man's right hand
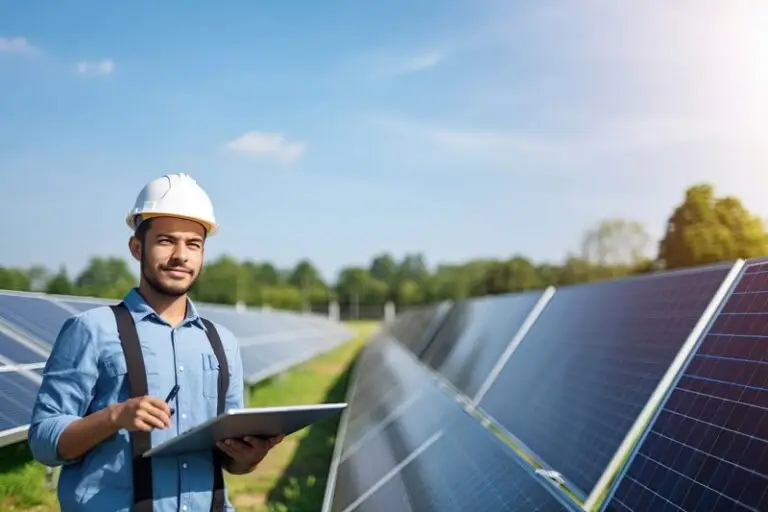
141, 414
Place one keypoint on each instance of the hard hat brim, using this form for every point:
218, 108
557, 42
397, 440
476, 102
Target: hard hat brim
210, 228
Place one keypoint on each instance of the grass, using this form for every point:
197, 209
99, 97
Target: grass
290, 479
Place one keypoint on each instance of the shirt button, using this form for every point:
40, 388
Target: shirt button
181, 368
184, 507
183, 416
184, 465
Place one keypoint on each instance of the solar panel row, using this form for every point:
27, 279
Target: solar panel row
644, 393
411, 447
270, 342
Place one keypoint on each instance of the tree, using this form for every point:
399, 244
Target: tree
60, 284
105, 277
14, 279
705, 229
616, 242
384, 268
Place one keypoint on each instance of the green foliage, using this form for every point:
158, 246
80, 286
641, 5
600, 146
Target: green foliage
707, 229
22, 481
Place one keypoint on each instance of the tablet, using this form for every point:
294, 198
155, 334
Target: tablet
238, 423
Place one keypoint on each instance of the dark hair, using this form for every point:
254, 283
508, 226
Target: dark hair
141, 230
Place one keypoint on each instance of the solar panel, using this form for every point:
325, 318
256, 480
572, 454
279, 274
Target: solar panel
707, 448
18, 393
372, 446
85, 305
464, 468
16, 352
474, 335
36, 316
581, 376
420, 327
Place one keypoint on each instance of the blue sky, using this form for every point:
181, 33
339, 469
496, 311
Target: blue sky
339, 129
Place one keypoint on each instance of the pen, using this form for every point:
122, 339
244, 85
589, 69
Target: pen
172, 395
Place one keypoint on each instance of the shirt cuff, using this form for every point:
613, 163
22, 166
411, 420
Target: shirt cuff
44, 440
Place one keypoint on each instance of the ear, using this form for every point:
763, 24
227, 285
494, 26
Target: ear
134, 245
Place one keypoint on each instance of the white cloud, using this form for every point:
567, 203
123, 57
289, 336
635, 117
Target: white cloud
17, 45
266, 144
412, 64
103, 67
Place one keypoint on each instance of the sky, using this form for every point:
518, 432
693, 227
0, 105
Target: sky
336, 130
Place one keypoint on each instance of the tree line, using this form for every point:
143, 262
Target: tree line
702, 229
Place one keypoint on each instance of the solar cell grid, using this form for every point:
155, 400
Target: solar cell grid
588, 366
474, 335
466, 468
37, 316
390, 446
707, 450
18, 394
382, 395
17, 352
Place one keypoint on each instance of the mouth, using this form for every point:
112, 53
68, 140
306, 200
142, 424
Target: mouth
178, 273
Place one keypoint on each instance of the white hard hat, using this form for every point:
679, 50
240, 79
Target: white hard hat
173, 195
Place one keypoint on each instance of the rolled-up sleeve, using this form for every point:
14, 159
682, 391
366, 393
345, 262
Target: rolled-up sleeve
69, 379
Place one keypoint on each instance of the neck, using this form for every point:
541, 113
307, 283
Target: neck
171, 309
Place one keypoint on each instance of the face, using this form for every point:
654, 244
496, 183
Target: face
171, 255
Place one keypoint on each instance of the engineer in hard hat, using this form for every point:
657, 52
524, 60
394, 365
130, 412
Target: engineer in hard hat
124, 378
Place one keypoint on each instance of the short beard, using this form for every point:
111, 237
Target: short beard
158, 287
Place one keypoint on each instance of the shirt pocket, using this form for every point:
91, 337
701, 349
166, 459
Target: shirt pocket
210, 376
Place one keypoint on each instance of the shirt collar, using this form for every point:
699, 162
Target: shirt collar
140, 310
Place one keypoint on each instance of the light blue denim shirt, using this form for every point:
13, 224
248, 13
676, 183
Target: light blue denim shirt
86, 372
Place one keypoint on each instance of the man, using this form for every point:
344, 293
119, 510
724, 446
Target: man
96, 412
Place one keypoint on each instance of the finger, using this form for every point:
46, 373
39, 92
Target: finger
240, 447
160, 414
228, 450
141, 426
159, 404
149, 419
258, 443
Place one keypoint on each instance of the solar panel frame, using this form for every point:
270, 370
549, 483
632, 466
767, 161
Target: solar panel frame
573, 470
479, 333
746, 269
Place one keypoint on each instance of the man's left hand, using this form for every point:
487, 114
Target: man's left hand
246, 453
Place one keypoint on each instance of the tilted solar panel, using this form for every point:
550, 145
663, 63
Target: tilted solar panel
36, 316
707, 449
419, 329
85, 305
414, 448
17, 352
474, 335
463, 468
581, 376
18, 392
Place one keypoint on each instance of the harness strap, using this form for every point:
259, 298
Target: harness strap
217, 505
142, 441
137, 377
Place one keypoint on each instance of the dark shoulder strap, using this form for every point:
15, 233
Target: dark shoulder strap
218, 349
217, 505
137, 377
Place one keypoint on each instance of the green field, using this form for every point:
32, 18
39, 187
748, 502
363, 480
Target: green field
291, 478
